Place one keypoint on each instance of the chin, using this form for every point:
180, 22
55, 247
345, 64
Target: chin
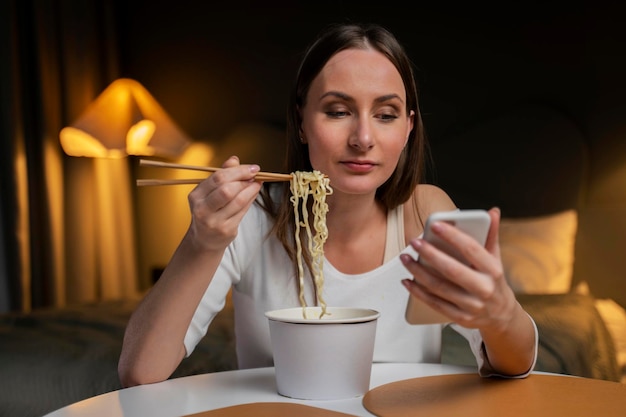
355, 186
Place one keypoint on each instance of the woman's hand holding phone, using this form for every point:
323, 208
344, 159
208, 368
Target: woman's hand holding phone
474, 223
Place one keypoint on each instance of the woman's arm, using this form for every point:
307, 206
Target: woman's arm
153, 342
476, 297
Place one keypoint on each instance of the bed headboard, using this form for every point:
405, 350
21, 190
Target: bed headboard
529, 160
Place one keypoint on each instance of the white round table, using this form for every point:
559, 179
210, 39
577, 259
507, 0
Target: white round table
197, 393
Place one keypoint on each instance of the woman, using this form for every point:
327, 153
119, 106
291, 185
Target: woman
354, 116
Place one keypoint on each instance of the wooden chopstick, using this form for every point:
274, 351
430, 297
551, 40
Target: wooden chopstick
146, 182
260, 176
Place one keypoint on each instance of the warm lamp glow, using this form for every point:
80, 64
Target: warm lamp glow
75, 142
138, 138
124, 119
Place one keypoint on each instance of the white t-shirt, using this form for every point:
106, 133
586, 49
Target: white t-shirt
263, 278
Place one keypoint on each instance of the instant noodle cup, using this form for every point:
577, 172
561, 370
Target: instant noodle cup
323, 358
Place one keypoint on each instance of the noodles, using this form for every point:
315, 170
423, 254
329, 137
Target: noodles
303, 185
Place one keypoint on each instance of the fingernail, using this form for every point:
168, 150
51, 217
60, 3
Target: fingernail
416, 243
255, 168
439, 226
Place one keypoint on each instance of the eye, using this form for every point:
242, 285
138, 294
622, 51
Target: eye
387, 117
337, 114
335, 107
387, 113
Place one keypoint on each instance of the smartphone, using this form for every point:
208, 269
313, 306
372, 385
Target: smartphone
475, 223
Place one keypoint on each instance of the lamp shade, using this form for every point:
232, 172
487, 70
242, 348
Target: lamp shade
124, 119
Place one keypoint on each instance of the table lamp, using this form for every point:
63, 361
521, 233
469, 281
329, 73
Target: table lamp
124, 119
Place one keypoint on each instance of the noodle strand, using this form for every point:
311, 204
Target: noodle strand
316, 185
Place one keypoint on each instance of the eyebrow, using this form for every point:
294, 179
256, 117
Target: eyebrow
346, 97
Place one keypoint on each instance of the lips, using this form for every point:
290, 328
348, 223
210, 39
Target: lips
359, 166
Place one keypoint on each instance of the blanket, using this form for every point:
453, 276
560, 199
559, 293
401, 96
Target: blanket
53, 358
573, 338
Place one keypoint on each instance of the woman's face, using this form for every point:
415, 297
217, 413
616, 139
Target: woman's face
355, 121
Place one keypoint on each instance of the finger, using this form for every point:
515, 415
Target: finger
231, 161
436, 303
456, 312
467, 246
222, 219
455, 303
450, 278
493, 241
238, 204
224, 195
492, 264
433, 282
231, 172
471, 250
439, 286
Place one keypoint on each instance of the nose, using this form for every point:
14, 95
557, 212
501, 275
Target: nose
362, 136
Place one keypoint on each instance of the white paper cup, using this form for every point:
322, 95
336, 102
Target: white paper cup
323, 359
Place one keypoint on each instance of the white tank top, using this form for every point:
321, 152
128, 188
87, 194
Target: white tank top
394, 243
262, 278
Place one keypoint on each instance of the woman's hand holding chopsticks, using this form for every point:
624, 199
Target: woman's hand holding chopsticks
219, 203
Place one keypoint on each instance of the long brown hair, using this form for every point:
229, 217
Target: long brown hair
410, 169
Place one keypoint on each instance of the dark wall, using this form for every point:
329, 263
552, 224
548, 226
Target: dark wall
216, 68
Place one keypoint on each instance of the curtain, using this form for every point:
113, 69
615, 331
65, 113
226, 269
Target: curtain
67, 223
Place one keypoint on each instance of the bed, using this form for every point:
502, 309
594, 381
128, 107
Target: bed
531, 161
51, 358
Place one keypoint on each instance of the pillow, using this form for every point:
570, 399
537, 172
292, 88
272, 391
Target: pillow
614, 316
538, 252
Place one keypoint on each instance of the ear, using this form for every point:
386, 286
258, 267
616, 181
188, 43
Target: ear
410, 126
300, 131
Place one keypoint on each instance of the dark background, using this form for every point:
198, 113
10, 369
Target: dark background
218, 67
194, 55
214, 68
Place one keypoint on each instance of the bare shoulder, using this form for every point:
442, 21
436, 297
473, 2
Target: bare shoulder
431, 198
426, 199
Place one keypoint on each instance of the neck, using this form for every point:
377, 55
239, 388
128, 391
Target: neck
351, 216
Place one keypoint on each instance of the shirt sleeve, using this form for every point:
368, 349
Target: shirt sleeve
477, 346
250, 234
